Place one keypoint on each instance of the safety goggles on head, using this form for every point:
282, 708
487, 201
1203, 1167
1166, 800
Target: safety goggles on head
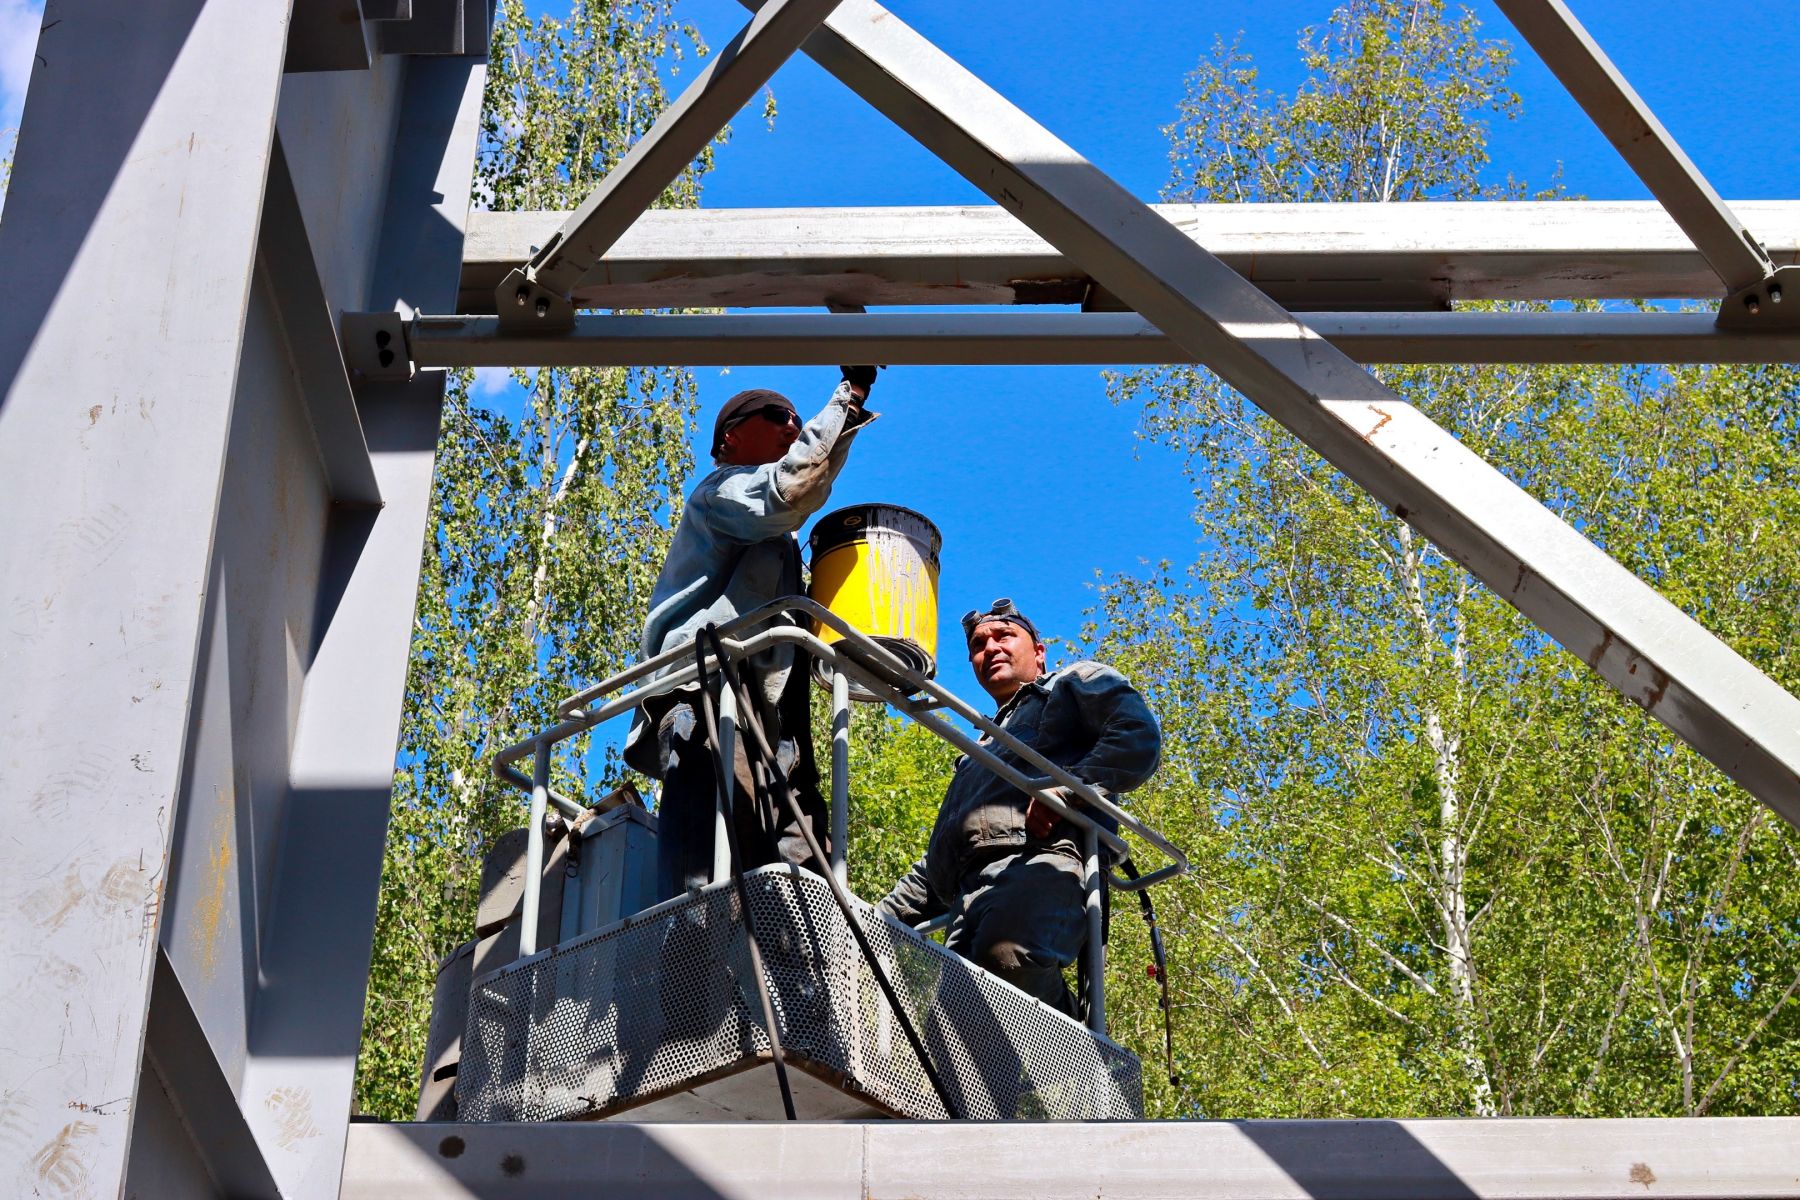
1002, 609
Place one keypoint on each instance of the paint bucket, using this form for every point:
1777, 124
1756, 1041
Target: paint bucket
875, 566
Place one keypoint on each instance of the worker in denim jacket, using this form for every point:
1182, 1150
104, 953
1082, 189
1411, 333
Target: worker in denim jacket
734, 550
1005, 867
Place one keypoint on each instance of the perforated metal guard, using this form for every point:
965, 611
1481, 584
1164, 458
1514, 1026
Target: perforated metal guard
665, 1000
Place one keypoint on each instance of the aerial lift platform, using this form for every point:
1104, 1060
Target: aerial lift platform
653, 1012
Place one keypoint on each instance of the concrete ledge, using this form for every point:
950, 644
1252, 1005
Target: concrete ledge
1208, 1160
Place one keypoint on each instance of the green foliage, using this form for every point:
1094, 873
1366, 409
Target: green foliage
1395, 106
1441, 867
550, 519
898, 772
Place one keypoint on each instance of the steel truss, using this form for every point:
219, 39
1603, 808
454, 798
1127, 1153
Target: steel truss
1186, 305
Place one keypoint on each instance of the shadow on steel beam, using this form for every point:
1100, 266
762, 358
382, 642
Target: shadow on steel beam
68, 159
1356, 1160
505, 1161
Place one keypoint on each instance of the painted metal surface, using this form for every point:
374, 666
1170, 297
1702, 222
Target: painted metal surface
876, 567
131, 225
538, 294
316, 943
664, 1003
1627, 122
1318, 257
927, 339
1645, 647
1543, 1159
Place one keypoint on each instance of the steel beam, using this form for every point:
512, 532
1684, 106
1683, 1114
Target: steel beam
1603, 93
942, 339
1710, 1158
133, 212
1328, 257
1648, 649
315, 946
538, 293
307, 326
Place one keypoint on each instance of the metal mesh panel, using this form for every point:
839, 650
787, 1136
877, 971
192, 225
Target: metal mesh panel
666, 999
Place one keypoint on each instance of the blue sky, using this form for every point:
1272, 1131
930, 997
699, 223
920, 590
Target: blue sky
1036, 480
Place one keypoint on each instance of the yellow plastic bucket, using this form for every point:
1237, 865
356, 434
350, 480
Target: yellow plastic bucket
876, 566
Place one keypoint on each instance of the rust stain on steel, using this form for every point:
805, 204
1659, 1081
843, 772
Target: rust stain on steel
1641, 1173
211, 909
1606, 642
1386, 416
59, 1165
293, 1116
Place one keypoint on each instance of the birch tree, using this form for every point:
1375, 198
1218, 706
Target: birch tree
553, 501
1442, 868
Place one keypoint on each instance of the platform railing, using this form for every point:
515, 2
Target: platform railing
879, 673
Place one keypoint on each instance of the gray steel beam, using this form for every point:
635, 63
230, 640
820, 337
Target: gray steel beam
1603, 93
313, 978
938, 339
133, 213
306, 323
538, 293
177, 1050
1645, 647
1329, 257
1705, 1158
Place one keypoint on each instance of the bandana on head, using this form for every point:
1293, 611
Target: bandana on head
738, 407
1000, 610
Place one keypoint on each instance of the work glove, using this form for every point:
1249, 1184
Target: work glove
862, 377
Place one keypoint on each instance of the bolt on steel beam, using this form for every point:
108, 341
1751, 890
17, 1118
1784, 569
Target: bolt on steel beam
1603, 93
538, 293
1645, 647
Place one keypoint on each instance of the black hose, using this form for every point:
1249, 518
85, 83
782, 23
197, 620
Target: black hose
723, 775
772, 766
1161, 960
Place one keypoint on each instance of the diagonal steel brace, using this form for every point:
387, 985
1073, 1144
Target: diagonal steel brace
536, 296
1645, 647
1754, 286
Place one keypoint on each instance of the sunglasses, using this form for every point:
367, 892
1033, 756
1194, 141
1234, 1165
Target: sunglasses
775, 414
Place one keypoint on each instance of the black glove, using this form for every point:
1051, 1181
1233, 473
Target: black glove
862, 377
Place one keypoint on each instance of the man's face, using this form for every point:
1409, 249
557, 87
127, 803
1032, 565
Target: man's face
763, 437
1005, 658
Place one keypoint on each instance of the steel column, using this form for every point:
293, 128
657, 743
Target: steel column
1603, 93
1649, 650
131, 224
538, 293
929, 339
313, 980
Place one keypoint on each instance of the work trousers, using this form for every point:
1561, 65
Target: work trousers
766, 831
1023, 917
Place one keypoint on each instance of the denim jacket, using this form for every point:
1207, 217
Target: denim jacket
1084, 717
735, 549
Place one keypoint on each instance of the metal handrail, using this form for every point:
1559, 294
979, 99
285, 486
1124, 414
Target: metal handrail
882, 675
